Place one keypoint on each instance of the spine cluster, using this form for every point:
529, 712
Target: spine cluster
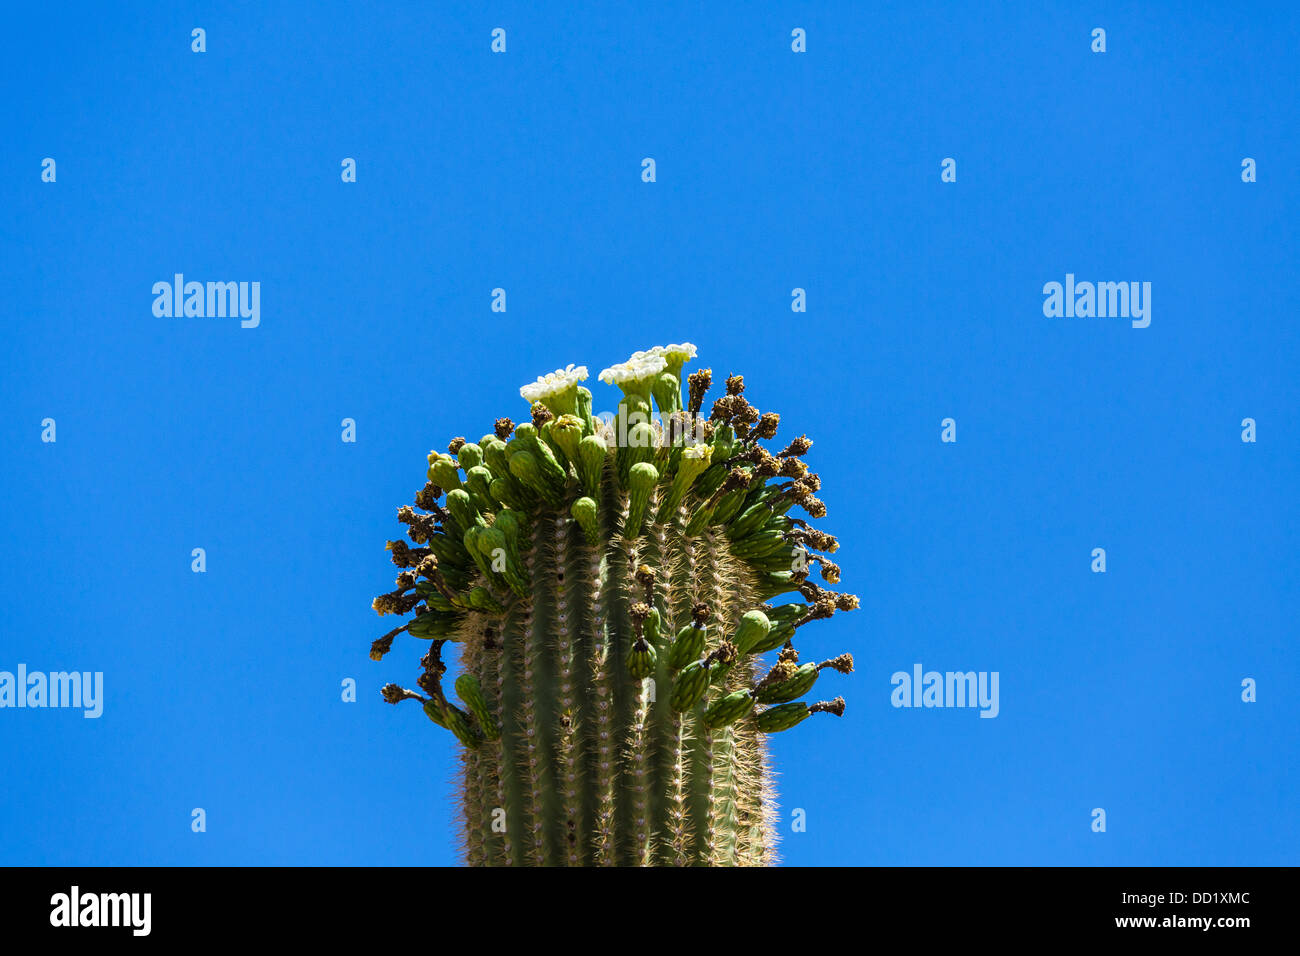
611, 584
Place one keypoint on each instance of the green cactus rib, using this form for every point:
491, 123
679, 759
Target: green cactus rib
569, 749
611, 585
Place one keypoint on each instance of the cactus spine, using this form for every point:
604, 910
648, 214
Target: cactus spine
610, 585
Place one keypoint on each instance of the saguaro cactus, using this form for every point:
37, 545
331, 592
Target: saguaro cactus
610, 583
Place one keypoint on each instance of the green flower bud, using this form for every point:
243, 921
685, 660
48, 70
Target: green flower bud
474, 545
796, 685
782, 717
667, 392
434, 713
780, 582
724, 443
641, 661
584, 410
493, 546
749, 521
639, 447
641, 481
586, 513
775, 638
651, 626
494, 453
523, 465
754, 626
443, 472
457, 721
688, 647
566, 431
469, 456
462, 508
549, 468
689, 687
481, 599
478, 480
694, 462
729, 709
433, 626
468, 689
591, 463
510, 495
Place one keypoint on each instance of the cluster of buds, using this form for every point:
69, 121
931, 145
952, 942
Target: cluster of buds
654, 478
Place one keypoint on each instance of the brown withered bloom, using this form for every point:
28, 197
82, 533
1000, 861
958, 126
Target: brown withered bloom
835, 707
843, 664
406, 557
395, 694
699, 383
798, 446
420, 527
395, 602
427, 497
793, 468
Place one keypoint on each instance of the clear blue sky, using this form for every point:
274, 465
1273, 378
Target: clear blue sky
775, 170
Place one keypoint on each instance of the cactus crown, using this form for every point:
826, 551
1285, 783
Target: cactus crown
609, 582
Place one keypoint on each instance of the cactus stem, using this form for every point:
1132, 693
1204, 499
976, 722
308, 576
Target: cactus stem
569, 708
606, 759
497, 845
682, 574
510, 757
537, 712
637, 743
474, 762
640, 773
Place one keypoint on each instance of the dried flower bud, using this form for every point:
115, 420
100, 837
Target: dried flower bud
767, 425
843, 664
835, 707
699, 382
797, 447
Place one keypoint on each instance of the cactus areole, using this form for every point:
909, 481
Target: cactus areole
610, 583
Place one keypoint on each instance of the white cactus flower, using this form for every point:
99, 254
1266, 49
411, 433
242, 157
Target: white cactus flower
685, 352
641, 365
555, 383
